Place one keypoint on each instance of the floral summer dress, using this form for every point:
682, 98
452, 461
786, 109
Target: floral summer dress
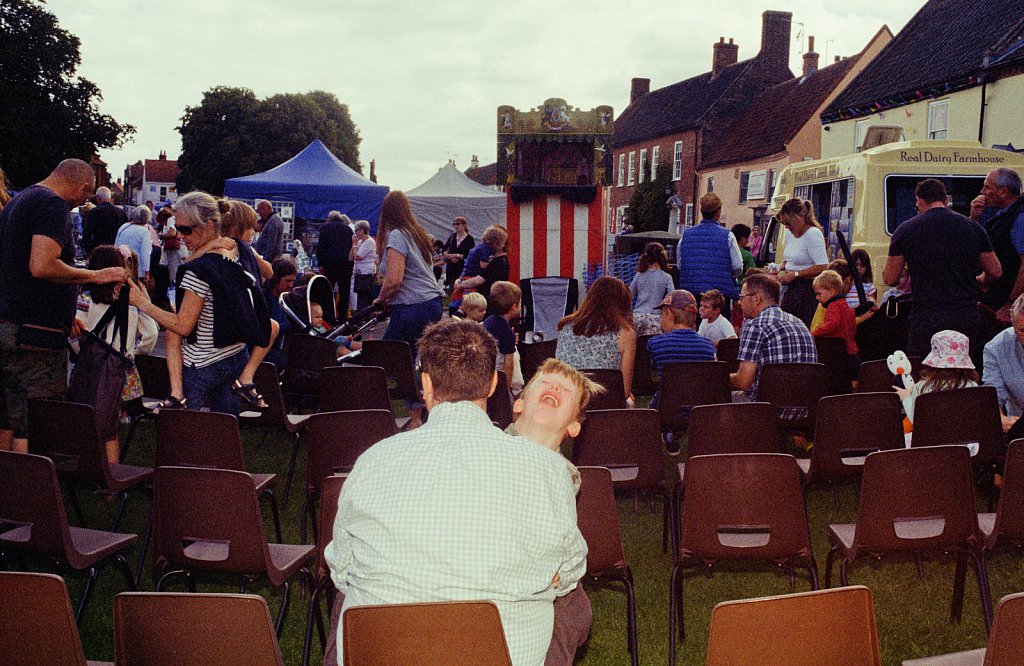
596, 352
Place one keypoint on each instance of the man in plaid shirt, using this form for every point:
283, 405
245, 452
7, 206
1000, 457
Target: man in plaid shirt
769, 336
458, 510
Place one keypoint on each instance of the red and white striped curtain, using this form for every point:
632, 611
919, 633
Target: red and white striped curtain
552, 237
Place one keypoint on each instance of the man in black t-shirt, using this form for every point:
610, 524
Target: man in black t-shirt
332, 253
949, 258
38, 293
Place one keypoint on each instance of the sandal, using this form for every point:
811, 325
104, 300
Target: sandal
170, 403
250, 396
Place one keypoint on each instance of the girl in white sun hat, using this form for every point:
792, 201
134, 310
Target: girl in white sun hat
947, 366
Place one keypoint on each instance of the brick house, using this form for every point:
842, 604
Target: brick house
151, 180
485, 175
677, 127
779, 128
955, 71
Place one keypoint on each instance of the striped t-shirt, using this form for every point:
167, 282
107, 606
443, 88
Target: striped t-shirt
203, 352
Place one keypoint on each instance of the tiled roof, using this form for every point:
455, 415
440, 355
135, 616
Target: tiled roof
485, 175
777, 114
943, 44
161, 171
674, 108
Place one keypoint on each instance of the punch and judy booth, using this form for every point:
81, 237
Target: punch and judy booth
555, 162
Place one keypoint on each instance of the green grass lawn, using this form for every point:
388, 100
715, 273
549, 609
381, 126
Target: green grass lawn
913, 614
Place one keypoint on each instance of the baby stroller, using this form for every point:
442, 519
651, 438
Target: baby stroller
298, 304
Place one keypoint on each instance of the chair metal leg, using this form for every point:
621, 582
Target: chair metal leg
73, 496
631, 618
302, 522
981, 572
164, 578
672, 622
844, 580
120, 511
956, 606
90, 582
920, 564
666, 522
812, 567
291, 470
191, 580
126, 571
279, 625
313, 613
146, 536
828, 565
272, 500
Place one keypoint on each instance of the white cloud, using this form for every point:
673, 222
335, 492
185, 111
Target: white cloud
422, 80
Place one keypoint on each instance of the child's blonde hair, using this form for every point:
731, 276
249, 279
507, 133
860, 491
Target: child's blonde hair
585, 386
829, 280
474, 301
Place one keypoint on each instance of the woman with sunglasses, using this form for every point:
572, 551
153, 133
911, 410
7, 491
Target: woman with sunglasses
221, 312
458, 245
805, 257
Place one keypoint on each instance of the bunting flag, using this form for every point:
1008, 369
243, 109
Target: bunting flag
551, 237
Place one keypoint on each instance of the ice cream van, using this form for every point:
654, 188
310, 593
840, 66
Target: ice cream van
867, 195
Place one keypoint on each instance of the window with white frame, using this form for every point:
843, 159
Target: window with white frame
620, 213
677, 160
631, 174
938, 119
860, 131
711, 183
622, 169
643, 165
654, 162
689, 214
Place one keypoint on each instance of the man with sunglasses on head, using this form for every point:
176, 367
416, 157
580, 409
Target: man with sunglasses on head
38, 292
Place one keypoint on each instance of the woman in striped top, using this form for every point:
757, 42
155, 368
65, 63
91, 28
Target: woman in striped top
215, 364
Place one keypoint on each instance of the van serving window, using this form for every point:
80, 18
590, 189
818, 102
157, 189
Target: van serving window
900, 200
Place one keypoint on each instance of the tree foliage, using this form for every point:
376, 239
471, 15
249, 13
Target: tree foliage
233, 133
47, 114
647, 209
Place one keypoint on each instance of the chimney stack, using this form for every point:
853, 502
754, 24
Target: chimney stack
163, 154
776, 27
810, 58
638, 88
838, 58
373, 171
723, 55
474, 163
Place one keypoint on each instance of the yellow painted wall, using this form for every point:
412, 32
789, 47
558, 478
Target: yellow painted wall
1003, 125
727, 186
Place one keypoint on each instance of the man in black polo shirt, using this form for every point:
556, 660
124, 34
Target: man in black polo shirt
949, 257
38, 293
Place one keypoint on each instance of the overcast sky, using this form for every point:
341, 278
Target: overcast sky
422, 80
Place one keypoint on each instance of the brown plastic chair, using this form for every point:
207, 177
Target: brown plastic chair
1005, 643
185, 438
913, 500
39, 624
33, 522
396, 357
742, 427
832, 354
627, 442
686, 385
67, 432
740, 506
614, 395
1006, 525
158, 629
322, 583
275, 417
874, 376
597, 515
305, 356
348, 387
645, 380
961, 416
728, 350
209, 520
848, 428
794, 389
427, 634
499, 404
335, 441
156, 386
531, 355
835, 627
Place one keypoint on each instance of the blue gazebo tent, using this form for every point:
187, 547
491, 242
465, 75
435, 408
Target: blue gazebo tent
317, 182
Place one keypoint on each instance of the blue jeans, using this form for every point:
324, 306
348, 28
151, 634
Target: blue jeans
212, 384
408, 321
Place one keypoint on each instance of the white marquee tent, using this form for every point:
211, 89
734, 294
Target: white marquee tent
450, 193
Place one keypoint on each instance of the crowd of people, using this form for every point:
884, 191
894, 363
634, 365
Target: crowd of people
502, 526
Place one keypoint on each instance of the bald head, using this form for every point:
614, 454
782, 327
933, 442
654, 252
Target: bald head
72, 181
